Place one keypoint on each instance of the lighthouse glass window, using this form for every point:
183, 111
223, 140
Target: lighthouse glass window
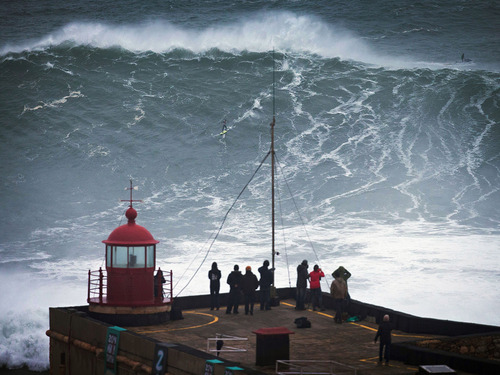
137, 257
150, 256
120, 255
130, 256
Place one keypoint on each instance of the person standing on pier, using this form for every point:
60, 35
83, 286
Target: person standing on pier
384, 332
234, 281
266, 280
314, 281
338, 290
249, 284
345, 274
302, 277
159, 280
214, 276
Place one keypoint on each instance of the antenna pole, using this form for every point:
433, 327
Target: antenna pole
274, 86
272, 165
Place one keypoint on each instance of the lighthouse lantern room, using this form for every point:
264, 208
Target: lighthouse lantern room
129, 292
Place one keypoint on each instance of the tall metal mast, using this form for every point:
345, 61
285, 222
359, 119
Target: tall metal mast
272, 164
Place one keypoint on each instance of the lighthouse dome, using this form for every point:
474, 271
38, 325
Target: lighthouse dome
130, 234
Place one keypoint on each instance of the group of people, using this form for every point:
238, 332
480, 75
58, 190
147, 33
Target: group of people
314, 278
338, 288
246, 285
340, 294
242, 284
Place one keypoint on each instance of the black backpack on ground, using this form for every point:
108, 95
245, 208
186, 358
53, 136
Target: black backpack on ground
302, 322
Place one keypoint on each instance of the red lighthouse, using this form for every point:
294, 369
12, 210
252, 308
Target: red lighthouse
129, 292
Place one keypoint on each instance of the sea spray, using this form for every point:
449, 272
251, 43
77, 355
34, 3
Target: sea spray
23, 341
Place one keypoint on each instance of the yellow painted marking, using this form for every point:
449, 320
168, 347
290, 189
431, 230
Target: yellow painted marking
215, 320
363, 326
324, 314
372, 359
418, 337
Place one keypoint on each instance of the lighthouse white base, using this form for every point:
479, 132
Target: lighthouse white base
131, 316
107, 309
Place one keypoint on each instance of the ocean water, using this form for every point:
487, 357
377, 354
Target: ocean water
387, 145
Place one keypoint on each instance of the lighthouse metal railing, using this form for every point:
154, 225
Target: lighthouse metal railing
163, 283
167, 293
97, 286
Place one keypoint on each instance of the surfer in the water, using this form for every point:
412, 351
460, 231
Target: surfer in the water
224, 127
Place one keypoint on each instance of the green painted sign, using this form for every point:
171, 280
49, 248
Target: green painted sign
111, 349
210, 366
232, 370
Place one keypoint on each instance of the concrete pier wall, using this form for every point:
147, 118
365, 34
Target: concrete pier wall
77, 347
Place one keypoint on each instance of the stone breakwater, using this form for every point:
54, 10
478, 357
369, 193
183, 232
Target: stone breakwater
486, 347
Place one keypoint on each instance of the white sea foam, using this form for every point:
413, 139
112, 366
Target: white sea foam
440, 270
22, 339
262, 32
54, 103
24, 316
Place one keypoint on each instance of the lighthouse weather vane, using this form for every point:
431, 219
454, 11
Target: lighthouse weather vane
131, 188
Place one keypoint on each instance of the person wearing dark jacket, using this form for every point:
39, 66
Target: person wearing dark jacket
266, 280
214, 276
384, 332
249, 283
302, 277
234, 281
159, 280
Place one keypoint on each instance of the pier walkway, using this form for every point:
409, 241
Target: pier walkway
349, 343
